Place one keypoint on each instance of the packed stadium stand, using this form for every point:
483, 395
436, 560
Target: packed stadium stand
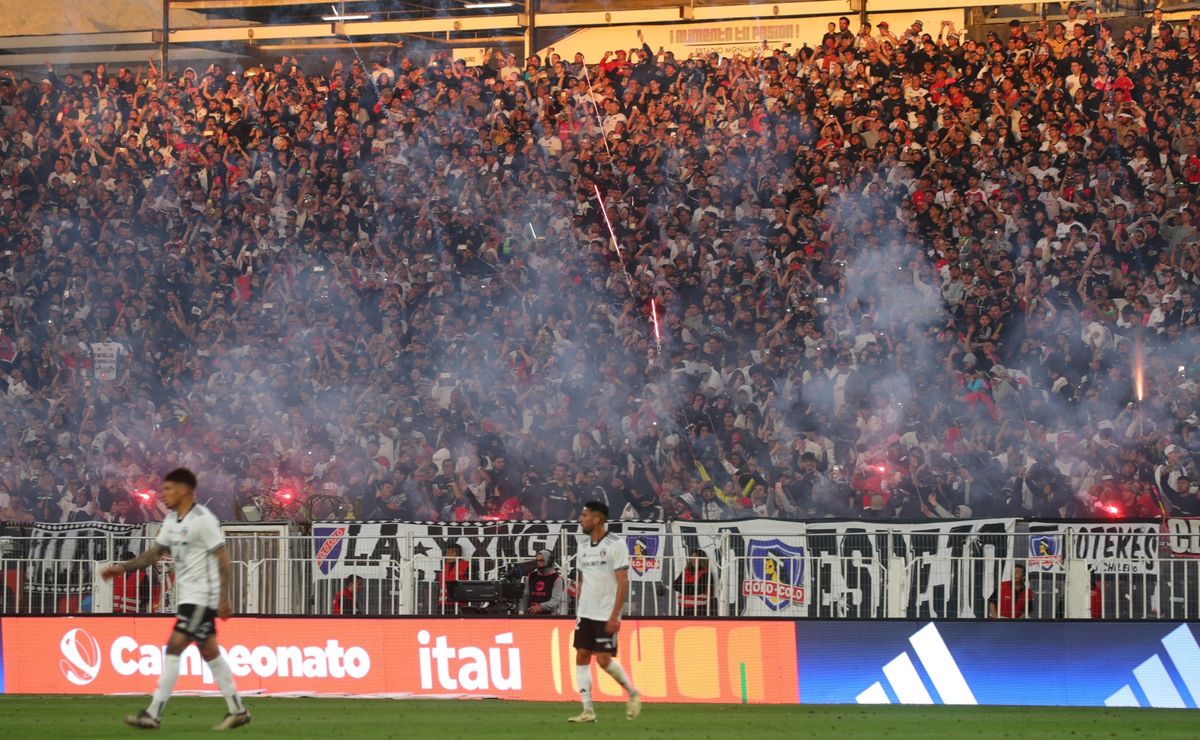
895, 273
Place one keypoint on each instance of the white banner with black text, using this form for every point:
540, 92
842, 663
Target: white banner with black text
365, 549
62, 556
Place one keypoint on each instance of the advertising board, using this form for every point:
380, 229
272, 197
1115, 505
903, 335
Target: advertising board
1079, 663
530, 659
1032, 663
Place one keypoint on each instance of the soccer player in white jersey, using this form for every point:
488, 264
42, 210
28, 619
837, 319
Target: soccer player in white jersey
603, 566
193, 537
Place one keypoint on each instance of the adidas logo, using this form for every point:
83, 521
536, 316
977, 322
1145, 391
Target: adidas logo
1156, 683
906, 683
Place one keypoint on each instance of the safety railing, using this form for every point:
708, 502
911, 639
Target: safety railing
881, 574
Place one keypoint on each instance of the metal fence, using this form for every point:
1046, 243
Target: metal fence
882, 576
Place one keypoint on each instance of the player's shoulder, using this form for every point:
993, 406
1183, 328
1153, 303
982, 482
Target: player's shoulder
613, 540
203, 512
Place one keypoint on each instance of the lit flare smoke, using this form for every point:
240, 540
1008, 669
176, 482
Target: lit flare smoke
654, 321
1139, 368
612, 234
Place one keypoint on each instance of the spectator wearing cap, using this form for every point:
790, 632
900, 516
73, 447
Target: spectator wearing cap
885, 32
711, 507
1176, 464
914, 32
808, 481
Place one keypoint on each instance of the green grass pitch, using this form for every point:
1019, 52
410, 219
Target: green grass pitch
67, 717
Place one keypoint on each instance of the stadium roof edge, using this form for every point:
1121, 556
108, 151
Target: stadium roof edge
137, 43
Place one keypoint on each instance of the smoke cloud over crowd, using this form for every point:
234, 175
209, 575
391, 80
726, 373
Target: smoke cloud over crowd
891, 274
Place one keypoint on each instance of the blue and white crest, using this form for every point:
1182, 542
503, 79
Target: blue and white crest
776, 573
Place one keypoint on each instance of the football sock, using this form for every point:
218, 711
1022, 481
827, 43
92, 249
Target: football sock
583, 676
166, 684
615, 670
224, 679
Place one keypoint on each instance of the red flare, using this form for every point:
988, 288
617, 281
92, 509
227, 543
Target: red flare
144, 496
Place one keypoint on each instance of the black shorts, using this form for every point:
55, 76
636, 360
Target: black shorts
197, 622
590, 635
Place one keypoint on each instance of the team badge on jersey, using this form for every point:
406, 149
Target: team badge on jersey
776, 573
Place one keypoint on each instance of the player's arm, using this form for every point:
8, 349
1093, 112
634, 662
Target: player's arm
225, 568
614, 619
151, 556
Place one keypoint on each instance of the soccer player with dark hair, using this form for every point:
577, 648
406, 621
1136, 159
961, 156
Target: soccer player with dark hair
603, 566
192, 534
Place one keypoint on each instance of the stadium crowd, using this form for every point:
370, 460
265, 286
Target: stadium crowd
898, 273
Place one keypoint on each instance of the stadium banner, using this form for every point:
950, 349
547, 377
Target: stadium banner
341, 549
769, 575
730, 37
947, 565
1107, 547
671, 660
1042, 663
1183, 537
836, 569
647, 543
62, 556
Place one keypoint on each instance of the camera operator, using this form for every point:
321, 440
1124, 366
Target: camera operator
545, 590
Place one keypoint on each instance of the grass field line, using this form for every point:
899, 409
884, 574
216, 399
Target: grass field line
70, 717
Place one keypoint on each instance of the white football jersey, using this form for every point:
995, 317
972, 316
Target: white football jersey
598, 564
193, 540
